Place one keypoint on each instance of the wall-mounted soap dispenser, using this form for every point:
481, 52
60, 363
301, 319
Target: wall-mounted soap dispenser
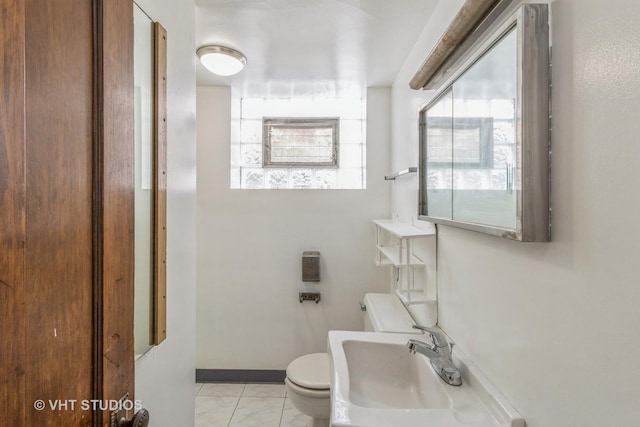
310, 266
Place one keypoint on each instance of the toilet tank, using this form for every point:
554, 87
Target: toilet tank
386, 313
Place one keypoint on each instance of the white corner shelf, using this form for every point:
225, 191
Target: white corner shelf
391, 256
403, 230
394, 248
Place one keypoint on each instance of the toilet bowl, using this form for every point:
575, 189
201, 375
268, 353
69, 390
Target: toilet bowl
308, 376
307, 384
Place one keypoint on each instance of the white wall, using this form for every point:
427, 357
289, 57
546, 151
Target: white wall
555, 325
165, 375
250, 242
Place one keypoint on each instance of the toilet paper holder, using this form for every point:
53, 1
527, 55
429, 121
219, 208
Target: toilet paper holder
309, 296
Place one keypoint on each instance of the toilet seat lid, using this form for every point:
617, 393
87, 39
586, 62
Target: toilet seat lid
310, 371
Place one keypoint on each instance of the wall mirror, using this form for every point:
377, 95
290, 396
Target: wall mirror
150, 181
484, 136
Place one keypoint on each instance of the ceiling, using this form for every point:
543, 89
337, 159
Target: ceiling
332, 48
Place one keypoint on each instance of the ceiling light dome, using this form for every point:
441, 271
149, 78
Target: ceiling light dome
221, 60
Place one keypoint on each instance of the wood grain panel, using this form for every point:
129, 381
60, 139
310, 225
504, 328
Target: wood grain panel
66, 192
12, 221
160, 186
59, 76
467, 18
117, 130
536, 78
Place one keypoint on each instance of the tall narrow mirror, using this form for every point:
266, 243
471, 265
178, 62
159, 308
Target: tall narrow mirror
150, 80
144, 123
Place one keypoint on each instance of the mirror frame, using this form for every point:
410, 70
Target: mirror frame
532, 126
160, 186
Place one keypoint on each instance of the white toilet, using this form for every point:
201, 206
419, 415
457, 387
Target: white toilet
308, 376
308, 387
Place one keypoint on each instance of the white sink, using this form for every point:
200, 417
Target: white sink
376, 381
394, 378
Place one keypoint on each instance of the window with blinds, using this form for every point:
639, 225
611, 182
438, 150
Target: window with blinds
300, 142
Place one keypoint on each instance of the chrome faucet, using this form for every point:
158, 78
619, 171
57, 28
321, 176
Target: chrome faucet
439, 354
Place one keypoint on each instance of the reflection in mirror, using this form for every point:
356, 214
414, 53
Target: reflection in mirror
437, 130
469, 142
484, 155
144, 131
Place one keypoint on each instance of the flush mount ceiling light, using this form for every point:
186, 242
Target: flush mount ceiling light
222, 60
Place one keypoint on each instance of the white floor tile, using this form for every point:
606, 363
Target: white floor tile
264, 390
291, 417
258, 412
215, 389
198, 387
214, 411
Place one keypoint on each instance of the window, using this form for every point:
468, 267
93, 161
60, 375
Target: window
334, 158
300, 142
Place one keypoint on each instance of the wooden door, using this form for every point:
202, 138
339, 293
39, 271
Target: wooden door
66, 211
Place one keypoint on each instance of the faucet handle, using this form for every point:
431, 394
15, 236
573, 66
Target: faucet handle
423, 328
437, 338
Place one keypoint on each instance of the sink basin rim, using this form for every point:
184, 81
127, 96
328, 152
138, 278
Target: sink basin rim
487, 407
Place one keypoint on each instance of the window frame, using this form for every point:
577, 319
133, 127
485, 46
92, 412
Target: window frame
301, 122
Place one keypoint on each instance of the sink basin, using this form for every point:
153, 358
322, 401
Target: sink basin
394, 378
376, 381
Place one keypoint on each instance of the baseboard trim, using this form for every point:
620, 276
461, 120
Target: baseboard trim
240, 376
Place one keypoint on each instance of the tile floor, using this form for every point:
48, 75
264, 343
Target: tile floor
246, 405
